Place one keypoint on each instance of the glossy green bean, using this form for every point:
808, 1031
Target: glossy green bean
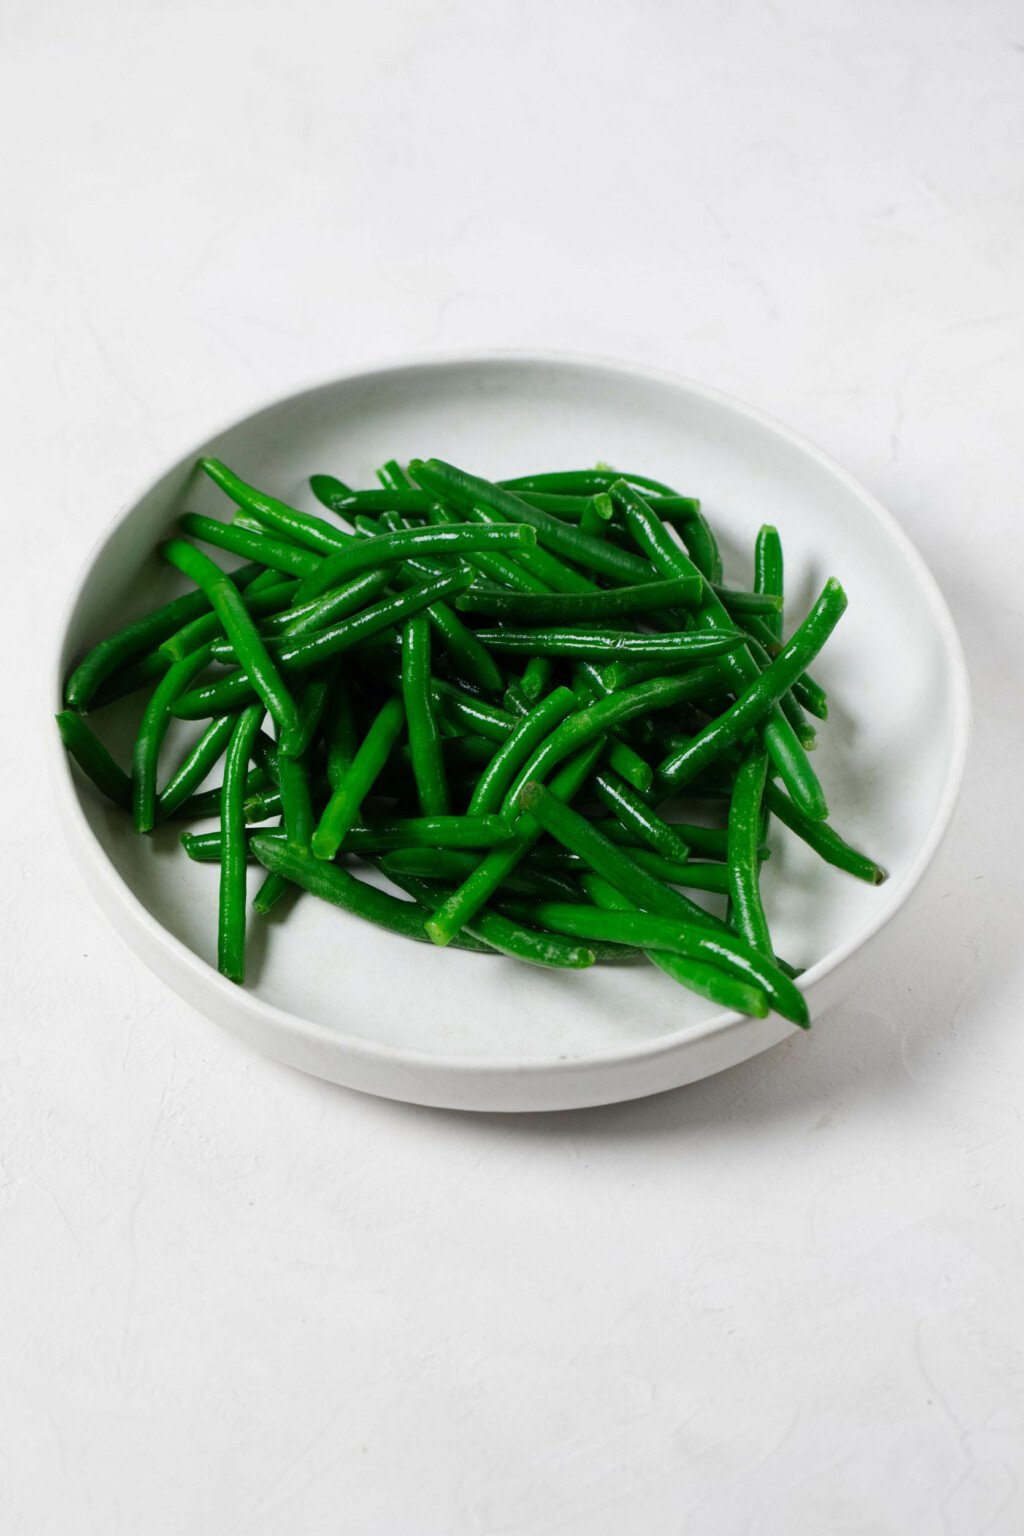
335, 885
605, 715
353, 784
472, 713
135, 639
608, 859
441, 831
296, 655
785, 751
194, 767
424, 735
457, 864
597, 513
824, 839
755, 702
539, 561
462, 905
317, 614
769, 573
259, 600
692, 875
342, 740
151, 732
392, 548
504, 935
303, 528
275, 553
579, 608
809, 694
231, 904
94, 760
517, 748
744, 839
691, 644
469, 490
226, 602
637, 817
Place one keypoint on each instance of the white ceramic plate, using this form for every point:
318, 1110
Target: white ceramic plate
337, 998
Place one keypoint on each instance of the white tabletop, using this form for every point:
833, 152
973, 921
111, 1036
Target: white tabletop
235, 1301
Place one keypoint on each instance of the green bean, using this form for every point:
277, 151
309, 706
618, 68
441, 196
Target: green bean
585, 482
353, 785
343, 501
517, 747
94, 760
536, 679
500, 932
597, 513
809, 694
424, 736
469, 490
393, 477
311, 703
785, 751
744, 834
805, 733
260, 670
136, 638
129, 679
825, 840
687, 643
195, 766
295, 655
392, 548
609, 860
738, 604
151, 732
317, 614
709, 842
637, 817
769, 573
693, 876
341, 889
578, 608
648, 931
540, 562
596, 719
231, 907
311, 532
296, 803
756, 700
259, 600
457, 864
461, 906
441, 831
275, 553
341, 735
465, 710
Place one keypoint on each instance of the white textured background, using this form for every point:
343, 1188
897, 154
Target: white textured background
785, 1302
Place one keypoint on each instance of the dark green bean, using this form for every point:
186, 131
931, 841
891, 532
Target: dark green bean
393, 548
94, 760
540, 562
342, 740
275, 553
691, 875
469, 490
579, 608
226, 602
341, 889
745, 811
754, 703
785, 751
295, 655
769, 573
461, 906
457, 864
424, 736
136, 638
353, 784
609, 860
333, 606
195, 766
517, 748
637, 817
151, 732
825, 840
500, 932
259, 600
311, 532
606, 643
231, 908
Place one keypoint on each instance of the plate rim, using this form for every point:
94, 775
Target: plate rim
89, 851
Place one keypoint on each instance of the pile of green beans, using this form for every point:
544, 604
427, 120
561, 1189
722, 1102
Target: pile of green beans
531, 705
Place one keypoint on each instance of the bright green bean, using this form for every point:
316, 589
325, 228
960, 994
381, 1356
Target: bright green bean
353, 784
94, 760
424, 736
744, 836
151, 733
231, 907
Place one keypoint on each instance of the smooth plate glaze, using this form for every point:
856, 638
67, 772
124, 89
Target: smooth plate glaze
339, 999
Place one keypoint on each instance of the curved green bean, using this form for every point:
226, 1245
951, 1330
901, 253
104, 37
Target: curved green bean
352, 785
94, 760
